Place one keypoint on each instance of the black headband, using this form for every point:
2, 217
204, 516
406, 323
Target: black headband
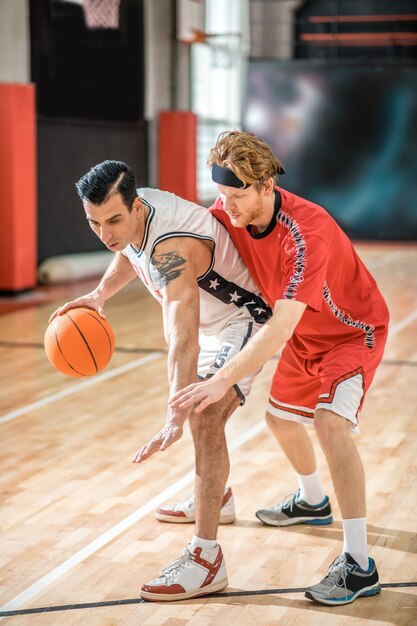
225, 176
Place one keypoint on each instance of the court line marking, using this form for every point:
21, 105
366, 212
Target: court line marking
95, 380
221, 594
98, 543
393, 330
399, 326
119, 528
33, 344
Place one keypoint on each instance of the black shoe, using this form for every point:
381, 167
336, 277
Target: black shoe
293, 510
345, 582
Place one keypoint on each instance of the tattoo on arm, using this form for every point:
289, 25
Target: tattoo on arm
165, 268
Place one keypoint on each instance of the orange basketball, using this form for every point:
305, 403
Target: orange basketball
79, 342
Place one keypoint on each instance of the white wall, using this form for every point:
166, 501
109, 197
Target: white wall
166, 71
14, 41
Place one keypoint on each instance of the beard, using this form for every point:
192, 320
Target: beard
248, 217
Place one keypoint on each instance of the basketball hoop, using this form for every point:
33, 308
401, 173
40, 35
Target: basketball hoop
102, 13
225, 48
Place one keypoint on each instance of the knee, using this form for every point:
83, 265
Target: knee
276, 424
206, 427
330, 427
271, 421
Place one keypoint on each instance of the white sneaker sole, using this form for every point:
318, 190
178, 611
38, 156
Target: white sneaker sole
167, 597
373, 590
314, 521
173, 519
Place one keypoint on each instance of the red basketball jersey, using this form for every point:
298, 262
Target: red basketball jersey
304, 255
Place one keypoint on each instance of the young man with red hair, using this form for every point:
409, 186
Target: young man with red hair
331, 321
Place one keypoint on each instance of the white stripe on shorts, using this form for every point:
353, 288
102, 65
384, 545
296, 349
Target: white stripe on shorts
290, 412
346, 400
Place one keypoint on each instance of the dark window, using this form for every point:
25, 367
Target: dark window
87, 73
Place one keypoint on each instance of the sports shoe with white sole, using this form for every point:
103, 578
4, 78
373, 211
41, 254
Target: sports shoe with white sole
293, 510
184, 512
197, 572
344, 582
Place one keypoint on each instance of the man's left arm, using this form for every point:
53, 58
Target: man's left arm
267, 341
175, 277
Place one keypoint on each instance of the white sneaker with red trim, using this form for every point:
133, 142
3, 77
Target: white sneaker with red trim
197, 572
184, 512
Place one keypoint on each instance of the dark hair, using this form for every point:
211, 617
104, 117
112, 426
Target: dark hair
106, 179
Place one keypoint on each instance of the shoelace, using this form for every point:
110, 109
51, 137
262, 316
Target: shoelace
338, 570
176, 566
187, 504
288, 502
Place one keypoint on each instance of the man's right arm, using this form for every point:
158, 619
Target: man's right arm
119, 274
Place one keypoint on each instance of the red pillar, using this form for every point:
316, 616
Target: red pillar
177, 153
18, 228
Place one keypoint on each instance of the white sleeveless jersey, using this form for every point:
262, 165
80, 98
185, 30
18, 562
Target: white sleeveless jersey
227, 292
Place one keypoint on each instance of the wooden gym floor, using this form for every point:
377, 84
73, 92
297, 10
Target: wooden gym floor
78, 532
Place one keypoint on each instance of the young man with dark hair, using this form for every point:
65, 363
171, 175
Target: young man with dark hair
211, 309
332, 322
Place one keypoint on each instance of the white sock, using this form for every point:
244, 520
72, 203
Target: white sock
197, 542
311, 488
354, 532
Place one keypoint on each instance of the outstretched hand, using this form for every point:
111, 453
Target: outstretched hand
201, 395
169, 434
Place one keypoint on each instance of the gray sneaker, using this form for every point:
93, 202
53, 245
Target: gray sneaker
293, 510
344, 582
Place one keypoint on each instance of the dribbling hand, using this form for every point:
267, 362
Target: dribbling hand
90, 300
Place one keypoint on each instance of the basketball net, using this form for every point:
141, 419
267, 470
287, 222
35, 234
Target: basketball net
101, 13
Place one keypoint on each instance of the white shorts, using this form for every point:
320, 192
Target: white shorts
215, 351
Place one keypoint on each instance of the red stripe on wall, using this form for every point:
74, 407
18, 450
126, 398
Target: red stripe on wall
361, 39
323, 19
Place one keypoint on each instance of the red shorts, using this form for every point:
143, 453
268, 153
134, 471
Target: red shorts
338, 381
